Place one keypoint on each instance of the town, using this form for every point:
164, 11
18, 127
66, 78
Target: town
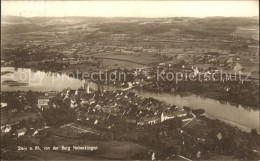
118, 117
172, 88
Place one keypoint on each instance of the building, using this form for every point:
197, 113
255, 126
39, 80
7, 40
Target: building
172, 112
229, 60
137, 49
91, 101
162, 64
21, 132
13, 110
131, 120
86, 87
51, 94
137, 81
166, 116
3, 104
27, 107
6, 128
43, 101
148, 120
196, 71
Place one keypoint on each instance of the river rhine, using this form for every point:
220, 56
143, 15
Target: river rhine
243, 117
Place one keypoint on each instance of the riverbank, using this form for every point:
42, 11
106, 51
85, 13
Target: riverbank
222, 97
5, 72
216, 109
13, 83
246, 96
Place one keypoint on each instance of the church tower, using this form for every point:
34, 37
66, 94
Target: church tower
86, 86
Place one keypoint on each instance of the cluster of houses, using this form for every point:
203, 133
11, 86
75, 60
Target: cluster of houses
7, 129
10, 111
97, 106
43, 101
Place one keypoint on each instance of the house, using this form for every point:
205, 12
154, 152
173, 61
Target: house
91, 101
21, 132
35, 132
148, 120
6, 128
130, 120
97, 107
173, 90
51, 94
86, 86
3, 104
196, 71
130, 84
137, 81
73, 103
13, 110
188, 110
237, 58
166, 116
43, 101
172, 112
162, 64
137, 49
127, 52
198, 154
180, 112
178, 157
26, 107
221, 64
229, 60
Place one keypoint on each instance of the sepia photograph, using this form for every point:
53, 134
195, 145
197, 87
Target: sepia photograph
130, 80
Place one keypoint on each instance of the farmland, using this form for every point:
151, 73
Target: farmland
13, 118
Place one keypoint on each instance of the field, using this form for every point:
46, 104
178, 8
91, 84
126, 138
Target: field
185, 37
110, 64
72, 130
247, 32
17, 117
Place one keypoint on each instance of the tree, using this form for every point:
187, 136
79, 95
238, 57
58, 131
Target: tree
31, 97
176, 150
173, 123
54, 143
43, 141
30, 121
6, 139
254, 132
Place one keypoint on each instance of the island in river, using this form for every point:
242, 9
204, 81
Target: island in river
13, 83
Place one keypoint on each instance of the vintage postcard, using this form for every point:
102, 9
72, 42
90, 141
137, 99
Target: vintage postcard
130, 80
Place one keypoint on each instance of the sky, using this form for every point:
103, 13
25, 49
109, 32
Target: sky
131, 8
